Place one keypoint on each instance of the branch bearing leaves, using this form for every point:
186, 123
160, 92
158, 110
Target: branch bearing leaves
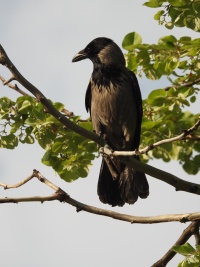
192, 256
179, 13
164, 117
26, 121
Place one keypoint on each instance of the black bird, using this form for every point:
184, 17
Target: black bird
114, 100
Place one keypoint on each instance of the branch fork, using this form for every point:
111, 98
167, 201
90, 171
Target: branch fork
61, 195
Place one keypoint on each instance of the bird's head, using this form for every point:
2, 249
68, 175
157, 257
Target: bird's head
101, 51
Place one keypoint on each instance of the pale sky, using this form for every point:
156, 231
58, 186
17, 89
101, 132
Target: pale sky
41, 37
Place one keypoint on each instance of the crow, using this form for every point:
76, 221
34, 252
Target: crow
114, 101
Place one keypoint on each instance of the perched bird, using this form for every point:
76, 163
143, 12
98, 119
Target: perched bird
114, 101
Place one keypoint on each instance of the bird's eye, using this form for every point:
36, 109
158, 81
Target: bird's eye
88, 49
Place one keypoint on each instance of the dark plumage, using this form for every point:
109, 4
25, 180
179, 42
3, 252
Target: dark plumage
114, 100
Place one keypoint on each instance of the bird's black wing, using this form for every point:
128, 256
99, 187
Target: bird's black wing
138, 99
88, 97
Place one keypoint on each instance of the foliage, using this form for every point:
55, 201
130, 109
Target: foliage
192, 255
177, 13
26, 121
165, 115
179, 61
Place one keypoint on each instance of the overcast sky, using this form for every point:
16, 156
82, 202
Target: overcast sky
41, 37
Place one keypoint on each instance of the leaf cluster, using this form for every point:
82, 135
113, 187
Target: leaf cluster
25, 121
165, 112
179, 13
192, 255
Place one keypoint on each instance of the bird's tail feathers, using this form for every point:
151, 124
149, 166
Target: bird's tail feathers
133, 184
127, 188
108, 188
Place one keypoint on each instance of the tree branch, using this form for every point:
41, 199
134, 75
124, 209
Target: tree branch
179, 184
184, 85
187, 233
29, 199
154, 172
14, 87
62, 196
145, 150
16, 75
6, 186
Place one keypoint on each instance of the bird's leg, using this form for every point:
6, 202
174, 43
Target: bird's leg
110, 163
111, 167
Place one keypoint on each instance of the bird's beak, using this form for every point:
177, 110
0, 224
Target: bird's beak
80, 56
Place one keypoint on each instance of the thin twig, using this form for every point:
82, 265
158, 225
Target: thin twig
184, 85
6, 186
14, 87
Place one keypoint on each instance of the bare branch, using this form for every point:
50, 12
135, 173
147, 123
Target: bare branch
68, 113
62, 196
187, 233
14, 87
42, 179
6, 186
28, 199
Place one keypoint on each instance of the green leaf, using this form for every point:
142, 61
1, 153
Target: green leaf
131, 62
153, 3
157, 96
147, 125
59, 106
57, 147
16, 125
47, 158
178, 3
169, 25
197, 146
130, 40
159, 14
193, 99
184, 249
196, 7
87, 125
31, 121
83, 172
28, 140
5, 103
24, 105
38, 114
167, 39
192, 23
185, 40
9, 141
